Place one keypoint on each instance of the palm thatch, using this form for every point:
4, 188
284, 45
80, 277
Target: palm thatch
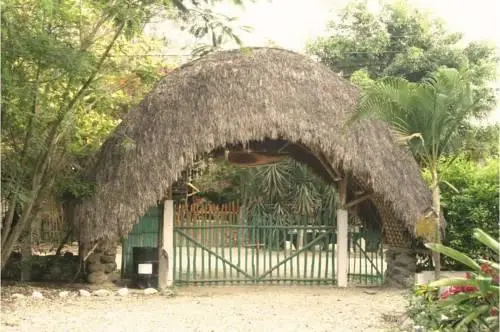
233, 97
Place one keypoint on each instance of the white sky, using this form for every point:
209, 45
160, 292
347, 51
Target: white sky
291, 24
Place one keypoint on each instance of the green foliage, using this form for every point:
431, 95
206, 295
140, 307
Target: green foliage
287, 188
70, 71
480, 142
404, 42
467, 304
426, 115
474, 205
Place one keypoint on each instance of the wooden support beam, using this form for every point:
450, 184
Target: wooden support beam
334, 174
342, 248
343, 190
166, 247
342, 235
358, 200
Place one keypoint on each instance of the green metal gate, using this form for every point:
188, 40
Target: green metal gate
144, 234
366, 256
219, 245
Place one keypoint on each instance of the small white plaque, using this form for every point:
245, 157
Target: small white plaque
145, 269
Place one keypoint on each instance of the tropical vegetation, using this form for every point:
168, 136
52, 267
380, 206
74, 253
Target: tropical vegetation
70, 72
469, 303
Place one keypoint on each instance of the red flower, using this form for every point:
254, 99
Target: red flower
486, 268
458, 289
445, 295
494, 312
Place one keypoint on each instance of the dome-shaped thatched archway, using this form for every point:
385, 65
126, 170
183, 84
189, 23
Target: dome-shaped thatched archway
234, 97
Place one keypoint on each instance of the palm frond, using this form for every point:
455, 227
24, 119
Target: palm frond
424, 116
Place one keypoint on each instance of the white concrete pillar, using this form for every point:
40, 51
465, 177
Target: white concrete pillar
166, 247
342, 248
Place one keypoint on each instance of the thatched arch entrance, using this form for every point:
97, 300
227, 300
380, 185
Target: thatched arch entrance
258, 95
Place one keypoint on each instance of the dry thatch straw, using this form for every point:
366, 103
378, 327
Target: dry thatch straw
238, 96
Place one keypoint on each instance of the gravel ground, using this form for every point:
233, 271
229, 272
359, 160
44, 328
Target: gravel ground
250, 308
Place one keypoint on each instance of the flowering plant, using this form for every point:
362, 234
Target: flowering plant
464, 304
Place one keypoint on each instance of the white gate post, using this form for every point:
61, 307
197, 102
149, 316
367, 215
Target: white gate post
342, 251
166, 248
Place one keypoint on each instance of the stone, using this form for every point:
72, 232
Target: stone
37, 295
108, 259
109, 267
101, 292
110, 251
168, 292
122, 291
68, 254
63, 294
84, 293
401, 267
17, 296
94, 258
96, 267
114, 276
150, 291
97, 277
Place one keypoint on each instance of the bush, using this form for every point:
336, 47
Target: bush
465, 304
475, 205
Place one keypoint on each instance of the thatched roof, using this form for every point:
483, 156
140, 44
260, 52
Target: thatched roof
239, 96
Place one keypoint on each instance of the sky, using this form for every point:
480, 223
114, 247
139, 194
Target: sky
291, 24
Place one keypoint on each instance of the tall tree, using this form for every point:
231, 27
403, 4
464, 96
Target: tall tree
404, 42
426, 117
65, 85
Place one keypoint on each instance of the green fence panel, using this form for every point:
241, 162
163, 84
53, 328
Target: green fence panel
144, 234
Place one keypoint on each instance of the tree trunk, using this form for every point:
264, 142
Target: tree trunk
26, 256
436, 206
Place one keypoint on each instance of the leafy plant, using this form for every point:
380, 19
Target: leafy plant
473, 204
466, 304
70, 70
424, 117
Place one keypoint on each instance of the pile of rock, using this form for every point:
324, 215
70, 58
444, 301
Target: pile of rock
401, 267
102, 263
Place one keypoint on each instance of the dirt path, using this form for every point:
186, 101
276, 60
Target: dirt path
265, 308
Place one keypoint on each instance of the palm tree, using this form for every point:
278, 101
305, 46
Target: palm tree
426, 117
287, 193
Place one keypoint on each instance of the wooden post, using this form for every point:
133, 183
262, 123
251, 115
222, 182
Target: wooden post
166, 248
342, 236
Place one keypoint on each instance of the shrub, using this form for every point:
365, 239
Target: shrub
473, 204
465, 304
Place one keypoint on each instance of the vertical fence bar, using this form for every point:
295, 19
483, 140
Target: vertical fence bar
290, 253
269, 236
305, 255
285, 253
320, 258
203, 235
313, 261
265, 240
366, 265
245, 241
334, 272
223, 244
257, 251
382, 271
327, 254
230, 239
253, 252
239, 243
175, 255
188, 255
